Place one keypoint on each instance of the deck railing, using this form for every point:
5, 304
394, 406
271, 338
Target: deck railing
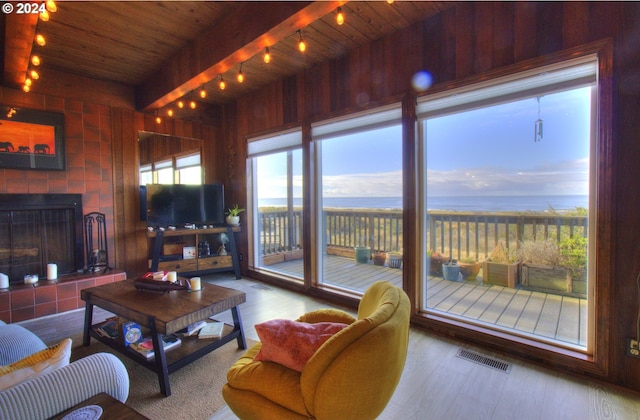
457, 234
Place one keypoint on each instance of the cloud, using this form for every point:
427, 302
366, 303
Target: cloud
562, 178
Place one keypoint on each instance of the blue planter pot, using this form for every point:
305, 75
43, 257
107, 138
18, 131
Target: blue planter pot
363, 254
450, 271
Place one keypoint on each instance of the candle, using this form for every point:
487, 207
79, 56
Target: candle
30, 279
4, 281
52, 271
172, 276
195, 283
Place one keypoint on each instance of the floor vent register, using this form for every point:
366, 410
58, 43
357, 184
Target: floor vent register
484, 360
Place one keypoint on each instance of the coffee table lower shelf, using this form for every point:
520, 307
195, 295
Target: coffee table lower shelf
191, 349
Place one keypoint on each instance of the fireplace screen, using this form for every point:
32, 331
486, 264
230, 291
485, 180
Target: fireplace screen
31, 238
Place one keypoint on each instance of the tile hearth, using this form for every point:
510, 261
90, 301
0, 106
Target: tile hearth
22, 302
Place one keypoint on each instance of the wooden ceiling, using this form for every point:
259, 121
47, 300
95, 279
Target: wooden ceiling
171, 49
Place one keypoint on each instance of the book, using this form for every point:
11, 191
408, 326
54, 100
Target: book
145, 345
109, 329
211, 330
192, 329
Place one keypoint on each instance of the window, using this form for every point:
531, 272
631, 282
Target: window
183, 169
188, 169
359, 199
508, 186
275, 165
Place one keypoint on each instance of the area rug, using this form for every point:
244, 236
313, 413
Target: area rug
196, 389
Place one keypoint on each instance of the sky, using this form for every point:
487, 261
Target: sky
485, 152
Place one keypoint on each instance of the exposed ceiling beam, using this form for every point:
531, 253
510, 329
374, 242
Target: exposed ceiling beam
20, 29
243, 34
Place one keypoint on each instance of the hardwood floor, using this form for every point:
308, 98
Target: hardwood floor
436, 384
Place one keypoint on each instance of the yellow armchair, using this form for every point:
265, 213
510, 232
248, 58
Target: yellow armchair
351, 376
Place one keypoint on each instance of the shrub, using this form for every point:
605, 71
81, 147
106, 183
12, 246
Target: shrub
545, 252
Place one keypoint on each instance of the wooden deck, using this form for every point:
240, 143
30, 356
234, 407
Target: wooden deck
554, 318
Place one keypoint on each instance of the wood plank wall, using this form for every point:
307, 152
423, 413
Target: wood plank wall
462, 42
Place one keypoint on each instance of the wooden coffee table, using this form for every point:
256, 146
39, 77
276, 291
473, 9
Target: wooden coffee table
111, 409
165, 313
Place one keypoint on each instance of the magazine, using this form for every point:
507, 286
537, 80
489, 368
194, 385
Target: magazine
145, 345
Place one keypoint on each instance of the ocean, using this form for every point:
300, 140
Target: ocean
486, 203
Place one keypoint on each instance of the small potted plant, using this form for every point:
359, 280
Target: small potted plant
233, 215
435, 262
379, 257
469, 268
451, 270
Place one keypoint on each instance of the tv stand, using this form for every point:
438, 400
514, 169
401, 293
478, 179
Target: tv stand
178, 250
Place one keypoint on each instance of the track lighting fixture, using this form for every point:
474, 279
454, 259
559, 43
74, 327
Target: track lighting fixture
240, 77
301, 45
339, 16
267, 55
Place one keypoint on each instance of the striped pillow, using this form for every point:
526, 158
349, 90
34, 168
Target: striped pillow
37, 364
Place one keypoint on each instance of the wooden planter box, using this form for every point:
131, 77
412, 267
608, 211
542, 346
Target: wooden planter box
501, 274
545, 278
558, 280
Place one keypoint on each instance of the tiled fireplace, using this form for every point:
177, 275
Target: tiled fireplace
36, 229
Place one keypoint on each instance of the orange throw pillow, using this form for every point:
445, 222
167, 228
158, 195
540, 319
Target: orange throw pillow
292, 343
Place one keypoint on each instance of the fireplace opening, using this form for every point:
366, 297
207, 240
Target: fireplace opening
36, 229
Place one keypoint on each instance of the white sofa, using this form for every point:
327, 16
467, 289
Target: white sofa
54, 392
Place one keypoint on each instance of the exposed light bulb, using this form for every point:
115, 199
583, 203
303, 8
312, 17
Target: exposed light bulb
339, 16
240, 77
170, 112
51, 6
192, 105
35, 60
27, 82
26, 88
203, 93
180, 104
40, 40
301, 45
267, 55
390, 1
222, 84
34, 75
44, 15
158, 120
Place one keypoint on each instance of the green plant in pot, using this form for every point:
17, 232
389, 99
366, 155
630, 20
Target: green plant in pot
379, 257
469, 268
451, 270
435, 262
541, 266
573, 256
233, 215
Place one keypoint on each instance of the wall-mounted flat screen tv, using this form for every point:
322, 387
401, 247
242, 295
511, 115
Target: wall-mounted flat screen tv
178, 205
